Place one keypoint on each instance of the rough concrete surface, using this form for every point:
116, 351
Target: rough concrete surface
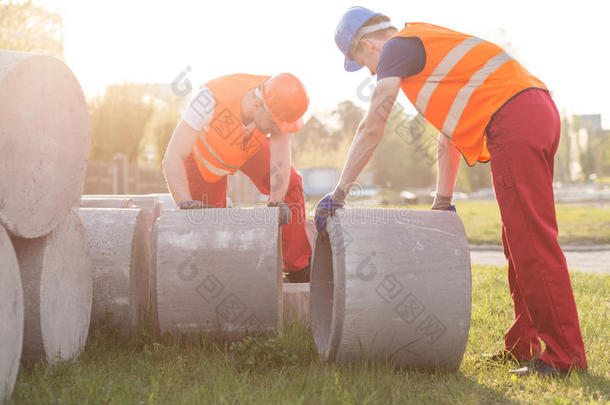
148, 202
44, 142
217, 271
56, 273
106, 202
393, 285
296, 302
11, 316
119, 244
152, 206
166, 200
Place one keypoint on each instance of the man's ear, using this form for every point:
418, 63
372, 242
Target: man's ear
368, 44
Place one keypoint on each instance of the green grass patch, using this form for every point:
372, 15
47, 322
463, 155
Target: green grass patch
286, 370
578, 224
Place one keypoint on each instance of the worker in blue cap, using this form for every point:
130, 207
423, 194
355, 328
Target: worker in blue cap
487, 107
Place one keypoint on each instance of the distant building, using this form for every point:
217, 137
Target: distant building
581, 130
590, 122
319, 180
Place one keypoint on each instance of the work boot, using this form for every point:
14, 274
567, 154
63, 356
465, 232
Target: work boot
298, 276
540, 368
502, 357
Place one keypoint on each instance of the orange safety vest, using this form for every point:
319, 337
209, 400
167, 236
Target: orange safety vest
464, 82
222, 149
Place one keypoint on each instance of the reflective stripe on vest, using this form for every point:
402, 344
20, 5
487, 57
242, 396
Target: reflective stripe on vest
213, 153
463, 96
464, 82
461, 100
442, 70
221, 149
215, 170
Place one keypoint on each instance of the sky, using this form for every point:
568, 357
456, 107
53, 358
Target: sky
564, 43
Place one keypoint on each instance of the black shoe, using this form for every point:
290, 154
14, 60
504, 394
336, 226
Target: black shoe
502, 357
540, 368
299, 276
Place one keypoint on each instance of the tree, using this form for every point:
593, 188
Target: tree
406, 155
313, 146
27, 27
473, 178
163, 123
562, 157
313, 135
118, 121
349, 116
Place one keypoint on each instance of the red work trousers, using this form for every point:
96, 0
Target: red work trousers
522, 138
296, 249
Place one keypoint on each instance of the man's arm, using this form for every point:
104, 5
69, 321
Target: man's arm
280, 163
369, 133
448, 165
180, 146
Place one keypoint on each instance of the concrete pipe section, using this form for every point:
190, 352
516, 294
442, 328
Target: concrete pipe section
11, 316
44, 142
166, 199
106, 202
57, 289
296, 303
119, 244
217, 271
149, 203
392, 285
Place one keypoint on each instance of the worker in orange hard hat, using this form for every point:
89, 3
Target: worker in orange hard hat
244, 122
487, 107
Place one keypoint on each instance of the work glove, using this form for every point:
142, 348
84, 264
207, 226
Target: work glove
285, 213
442, 203
327, 207
192, 204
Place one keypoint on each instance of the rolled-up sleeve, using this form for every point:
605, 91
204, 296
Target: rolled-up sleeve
401, 57
200, 110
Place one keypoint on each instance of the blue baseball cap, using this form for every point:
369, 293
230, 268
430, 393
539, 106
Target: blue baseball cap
348, 27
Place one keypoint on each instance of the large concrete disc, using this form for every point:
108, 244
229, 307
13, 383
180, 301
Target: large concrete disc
11, 316
119, 242
44, 142
217, 271
56, 272
392, 285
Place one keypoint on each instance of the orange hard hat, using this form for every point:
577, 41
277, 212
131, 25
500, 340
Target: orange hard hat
286, 99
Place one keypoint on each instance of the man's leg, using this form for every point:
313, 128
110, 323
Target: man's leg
521, 340
214, 194
296, 248
522, 140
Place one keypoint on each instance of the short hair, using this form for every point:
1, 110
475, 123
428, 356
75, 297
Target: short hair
379, 34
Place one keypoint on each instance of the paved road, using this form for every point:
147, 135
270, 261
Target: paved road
579, 258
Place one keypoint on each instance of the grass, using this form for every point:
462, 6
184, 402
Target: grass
578, 224
286, 370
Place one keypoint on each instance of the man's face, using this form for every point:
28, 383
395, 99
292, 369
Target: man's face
367, 54
263, 120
